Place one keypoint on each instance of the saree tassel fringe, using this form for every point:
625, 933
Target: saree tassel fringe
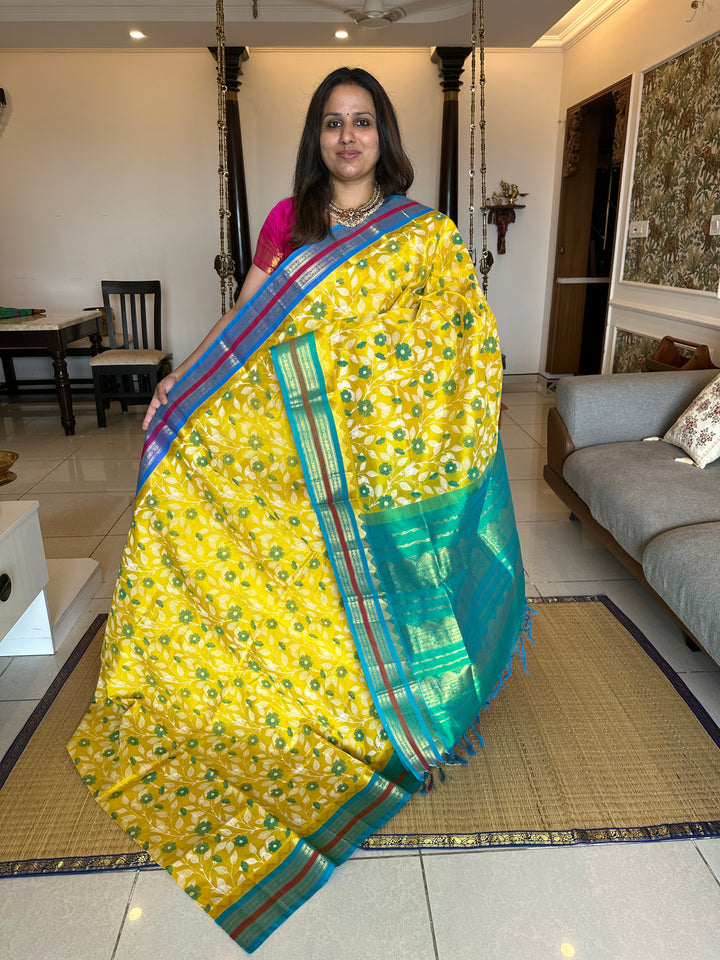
451, 757
519, 651
322, 584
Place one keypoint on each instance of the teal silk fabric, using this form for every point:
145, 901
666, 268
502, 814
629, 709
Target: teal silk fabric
451, 573
434, 590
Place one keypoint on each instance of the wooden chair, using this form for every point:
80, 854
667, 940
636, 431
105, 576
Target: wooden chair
83, 346
129, 371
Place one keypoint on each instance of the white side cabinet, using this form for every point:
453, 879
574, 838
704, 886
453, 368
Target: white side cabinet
24, 616
39, 601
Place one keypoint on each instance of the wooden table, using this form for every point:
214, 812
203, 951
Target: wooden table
51, 334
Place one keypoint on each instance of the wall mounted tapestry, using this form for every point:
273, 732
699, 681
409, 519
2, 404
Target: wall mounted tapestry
632, 351
676, 184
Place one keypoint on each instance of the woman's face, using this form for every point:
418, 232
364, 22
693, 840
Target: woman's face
349, 142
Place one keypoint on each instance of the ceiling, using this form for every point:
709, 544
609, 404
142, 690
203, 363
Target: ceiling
191, 23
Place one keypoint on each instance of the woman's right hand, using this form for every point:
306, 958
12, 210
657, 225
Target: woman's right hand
160, 397
253, 281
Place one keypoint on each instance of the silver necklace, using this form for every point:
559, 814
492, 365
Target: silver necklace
354, 216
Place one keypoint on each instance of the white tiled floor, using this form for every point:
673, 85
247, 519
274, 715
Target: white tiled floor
654, 901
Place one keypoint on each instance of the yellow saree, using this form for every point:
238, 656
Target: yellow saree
322, 583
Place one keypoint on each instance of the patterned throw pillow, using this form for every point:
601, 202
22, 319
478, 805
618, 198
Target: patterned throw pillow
697, 430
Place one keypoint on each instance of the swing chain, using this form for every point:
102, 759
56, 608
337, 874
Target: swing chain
224, 263
485, 262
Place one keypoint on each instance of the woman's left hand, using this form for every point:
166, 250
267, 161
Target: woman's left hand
160, 397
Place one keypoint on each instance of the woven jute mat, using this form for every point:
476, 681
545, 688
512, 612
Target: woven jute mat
49, 822
598, 740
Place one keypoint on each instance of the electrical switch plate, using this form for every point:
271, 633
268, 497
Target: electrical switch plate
715, 225
638, 228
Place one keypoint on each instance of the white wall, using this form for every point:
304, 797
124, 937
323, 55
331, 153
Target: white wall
108, 167
522, 91
108, 162
277, 87
640, 35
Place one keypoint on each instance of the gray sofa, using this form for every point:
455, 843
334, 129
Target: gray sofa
658, 517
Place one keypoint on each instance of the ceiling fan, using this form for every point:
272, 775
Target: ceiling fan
373, 15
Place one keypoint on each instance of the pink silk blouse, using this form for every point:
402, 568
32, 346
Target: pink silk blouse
273, 244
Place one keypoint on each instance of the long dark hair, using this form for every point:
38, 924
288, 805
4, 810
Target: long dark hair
311, 187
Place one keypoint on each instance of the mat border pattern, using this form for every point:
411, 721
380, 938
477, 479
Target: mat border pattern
560, 838
62, 865
464, 841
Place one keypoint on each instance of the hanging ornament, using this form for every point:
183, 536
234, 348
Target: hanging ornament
224, 264
485, 261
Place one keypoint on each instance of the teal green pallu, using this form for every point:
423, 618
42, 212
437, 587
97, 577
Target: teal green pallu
434, 590
322, 585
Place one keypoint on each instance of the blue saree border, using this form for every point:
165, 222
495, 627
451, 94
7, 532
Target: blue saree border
280, 294
649, 833
308, 867
434, 649
302, 381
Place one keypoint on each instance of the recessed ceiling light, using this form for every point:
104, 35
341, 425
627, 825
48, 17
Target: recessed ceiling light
341, 34
137, 34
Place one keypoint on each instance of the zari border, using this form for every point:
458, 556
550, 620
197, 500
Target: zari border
310, 865
302, 381
689, 830
256, 320
543, 838
59, 866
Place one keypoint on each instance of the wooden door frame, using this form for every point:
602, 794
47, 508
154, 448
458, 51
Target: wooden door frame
574, 219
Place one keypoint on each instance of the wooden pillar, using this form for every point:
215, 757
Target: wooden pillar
238, 225
450, 63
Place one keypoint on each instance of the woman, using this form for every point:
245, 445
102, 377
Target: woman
322, 584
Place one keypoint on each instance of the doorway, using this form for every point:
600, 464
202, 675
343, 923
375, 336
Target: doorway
587, 217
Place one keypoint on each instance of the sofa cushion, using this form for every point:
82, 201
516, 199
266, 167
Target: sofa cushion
636, 490
683, 566
608, 408
697, 429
